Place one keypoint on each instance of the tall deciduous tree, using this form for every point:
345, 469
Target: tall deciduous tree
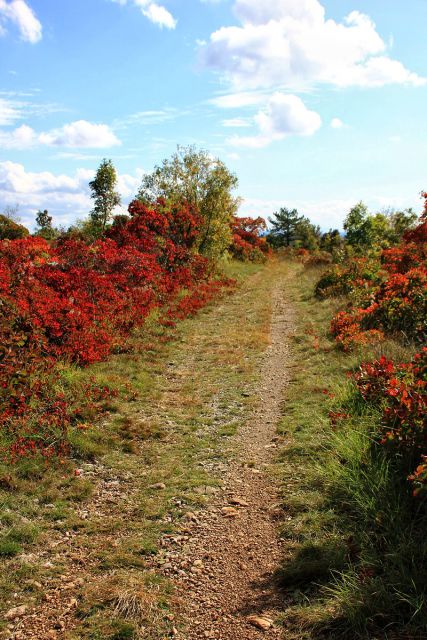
204, 182
104, 194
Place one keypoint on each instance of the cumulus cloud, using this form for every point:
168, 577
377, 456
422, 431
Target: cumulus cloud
283, 116
156, 13
19, 13
65, 196
24, 137
80, 134
291, 43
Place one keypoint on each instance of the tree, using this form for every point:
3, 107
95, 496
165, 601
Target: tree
284, 227
104, 194
204, 182
358, 226
44, 224
331, 240
307, 235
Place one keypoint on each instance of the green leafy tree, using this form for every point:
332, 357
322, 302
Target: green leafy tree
331, 241
194, 176
358, 227
401, 221
44, 224
284, 227
104, 194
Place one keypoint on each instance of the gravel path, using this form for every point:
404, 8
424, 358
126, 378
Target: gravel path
232, 551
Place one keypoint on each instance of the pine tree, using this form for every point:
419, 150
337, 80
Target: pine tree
285, 226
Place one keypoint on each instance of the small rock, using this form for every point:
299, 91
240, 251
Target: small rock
260, 622
239, 502
16, 612
159, 486
229, 512
190, 516
197, 563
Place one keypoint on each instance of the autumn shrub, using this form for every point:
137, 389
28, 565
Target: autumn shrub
248, 243
400, 392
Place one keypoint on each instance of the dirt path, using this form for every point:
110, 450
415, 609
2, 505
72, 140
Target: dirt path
226, 579
196, 505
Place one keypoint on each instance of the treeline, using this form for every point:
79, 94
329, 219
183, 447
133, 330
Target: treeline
364, 231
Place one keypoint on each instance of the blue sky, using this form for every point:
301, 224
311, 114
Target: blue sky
314, 105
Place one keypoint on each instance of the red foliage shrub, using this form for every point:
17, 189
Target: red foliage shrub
248, 244
401, 392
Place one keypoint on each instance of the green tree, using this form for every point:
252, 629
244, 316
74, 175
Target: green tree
331, 240
44, 224
401, 221
194, 176
284, 227
358, 226
104, 194
307, 235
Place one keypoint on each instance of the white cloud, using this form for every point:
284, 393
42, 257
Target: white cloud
236, 122
66, 197
159, 15
10, 111
156, 13
148, 117
283, 116
80, 134
237, 100
290, 43
18, 12
336, 123
24, 137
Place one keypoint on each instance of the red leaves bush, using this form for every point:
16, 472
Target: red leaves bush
248, 244
79, 302
392, 302
400, 390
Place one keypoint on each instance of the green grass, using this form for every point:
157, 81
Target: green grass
357, 546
